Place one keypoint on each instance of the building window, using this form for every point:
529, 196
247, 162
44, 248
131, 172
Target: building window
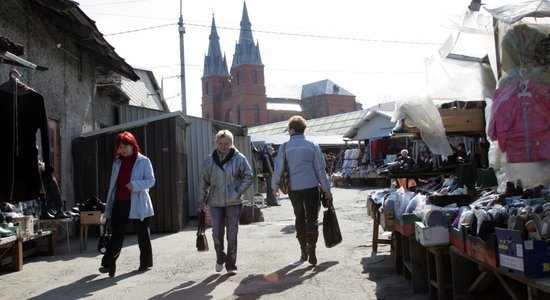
238, 77
205, 88
229, 116
254, 78
256, 114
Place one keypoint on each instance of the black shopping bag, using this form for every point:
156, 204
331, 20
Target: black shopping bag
202, 241
331, 229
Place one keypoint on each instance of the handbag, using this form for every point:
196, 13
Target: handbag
331, 229
202, 241
104, 239
284, 184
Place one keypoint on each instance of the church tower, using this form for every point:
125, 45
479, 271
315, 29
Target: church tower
216, 80
248, 99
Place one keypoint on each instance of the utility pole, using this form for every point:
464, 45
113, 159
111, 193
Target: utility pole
182, 63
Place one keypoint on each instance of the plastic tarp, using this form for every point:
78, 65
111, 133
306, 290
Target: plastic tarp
423, 114
514, 11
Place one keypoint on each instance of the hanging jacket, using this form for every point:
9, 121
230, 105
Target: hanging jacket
22, 115
142, 179
519, 122
224, 183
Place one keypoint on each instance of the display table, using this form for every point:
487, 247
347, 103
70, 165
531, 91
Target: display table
474, 279
374, 208
88, 218
62, 222
15, 244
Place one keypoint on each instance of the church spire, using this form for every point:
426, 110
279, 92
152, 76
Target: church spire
245, 51
214, 62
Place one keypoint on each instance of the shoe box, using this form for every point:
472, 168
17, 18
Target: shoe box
457, 237
483, 250
26, 225
530, 258
404, 224
387, 219
431, 236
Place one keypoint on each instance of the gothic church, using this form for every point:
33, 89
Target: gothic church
239, 96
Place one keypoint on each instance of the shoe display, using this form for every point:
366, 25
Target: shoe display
5, 232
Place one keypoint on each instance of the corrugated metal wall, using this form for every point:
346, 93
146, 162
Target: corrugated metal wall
162, 139
200, 141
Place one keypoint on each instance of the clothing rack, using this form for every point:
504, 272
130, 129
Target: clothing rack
16, 60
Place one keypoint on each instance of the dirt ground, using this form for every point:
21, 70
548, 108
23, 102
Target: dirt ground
267, 256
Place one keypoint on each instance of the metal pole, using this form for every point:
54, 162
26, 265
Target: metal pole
182, 63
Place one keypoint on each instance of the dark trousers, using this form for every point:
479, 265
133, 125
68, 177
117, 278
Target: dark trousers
119, 220
306, 204
270, 198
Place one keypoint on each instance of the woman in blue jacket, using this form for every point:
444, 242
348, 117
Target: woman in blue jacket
128, 198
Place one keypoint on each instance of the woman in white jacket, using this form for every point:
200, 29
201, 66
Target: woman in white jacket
226, 175
128, 198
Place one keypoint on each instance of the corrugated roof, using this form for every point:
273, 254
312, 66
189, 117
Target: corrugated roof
332, 125
69, 19
144, 92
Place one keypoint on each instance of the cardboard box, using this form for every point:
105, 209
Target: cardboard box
431, 236
90, 217
484, 251
26, 225
405, 224
459, 120
457, 237
387, 219
530, 258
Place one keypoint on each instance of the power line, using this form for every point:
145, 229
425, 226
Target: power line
288, 34
141, 29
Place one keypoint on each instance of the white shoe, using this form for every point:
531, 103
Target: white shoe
219, 267
232, 272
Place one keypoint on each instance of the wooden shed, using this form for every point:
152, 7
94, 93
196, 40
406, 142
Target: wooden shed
162, 139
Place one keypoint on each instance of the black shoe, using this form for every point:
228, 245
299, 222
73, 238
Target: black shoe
144, 268
103, 269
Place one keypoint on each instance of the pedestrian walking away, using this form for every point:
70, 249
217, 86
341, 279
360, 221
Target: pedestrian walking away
226, 175
307, 175
268, 164
128, 198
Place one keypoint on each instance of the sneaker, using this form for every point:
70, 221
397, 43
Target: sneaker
232, 272
219, 267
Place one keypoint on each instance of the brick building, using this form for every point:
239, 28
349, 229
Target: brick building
239, 95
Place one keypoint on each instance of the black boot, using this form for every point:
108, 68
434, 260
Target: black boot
303, 248
311, 242
312, 257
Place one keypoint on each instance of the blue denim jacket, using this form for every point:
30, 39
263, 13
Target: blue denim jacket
306, 165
